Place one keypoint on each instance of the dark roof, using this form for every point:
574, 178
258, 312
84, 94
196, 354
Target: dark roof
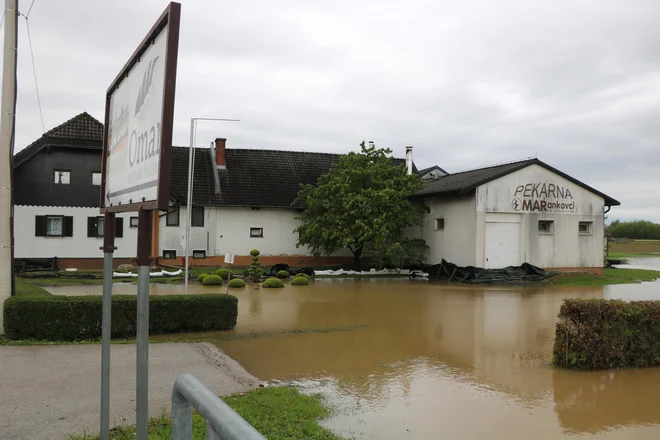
467, 181
81, 131
255, 178
429, 169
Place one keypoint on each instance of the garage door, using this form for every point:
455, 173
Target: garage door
502, 245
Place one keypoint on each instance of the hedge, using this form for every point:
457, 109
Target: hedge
237, 282
223, 273
201, 276
213, 280
303, 275
71, 318
283, 274
598, 334
273, 283
300, 281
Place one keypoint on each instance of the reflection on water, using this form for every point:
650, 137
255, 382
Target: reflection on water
422, 360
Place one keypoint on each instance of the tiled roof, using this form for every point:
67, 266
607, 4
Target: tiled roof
467, 181
82, 128
257, 178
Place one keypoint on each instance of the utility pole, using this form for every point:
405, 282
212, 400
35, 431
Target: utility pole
8, 110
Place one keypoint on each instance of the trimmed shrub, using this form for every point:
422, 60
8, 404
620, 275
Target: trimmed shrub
71, 318
236, 282
283, 274
246, 272
223, 273
300, 281
254, 271
303, 275
201, 276
273, 283
213, 280
255, 252
597, 334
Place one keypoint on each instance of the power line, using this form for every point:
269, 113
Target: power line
34, 69
28, 14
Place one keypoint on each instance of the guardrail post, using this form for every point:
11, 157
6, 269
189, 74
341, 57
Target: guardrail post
181, 415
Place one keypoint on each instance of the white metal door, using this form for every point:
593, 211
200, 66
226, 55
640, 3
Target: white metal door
502, 245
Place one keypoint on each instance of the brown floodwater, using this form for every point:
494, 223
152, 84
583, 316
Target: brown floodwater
425, 360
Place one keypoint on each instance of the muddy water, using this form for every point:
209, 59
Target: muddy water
420, 360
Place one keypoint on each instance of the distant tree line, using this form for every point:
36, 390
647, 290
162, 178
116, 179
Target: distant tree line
638, 229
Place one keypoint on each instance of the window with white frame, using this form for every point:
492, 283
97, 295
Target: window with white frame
133, 222
586, 228
96, 179
197, 218
546, 226
172, 217
199, 254
62, 177
256, 232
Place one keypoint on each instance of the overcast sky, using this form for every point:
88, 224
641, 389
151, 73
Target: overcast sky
468, 83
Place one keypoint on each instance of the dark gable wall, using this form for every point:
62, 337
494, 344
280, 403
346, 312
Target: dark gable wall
34, 181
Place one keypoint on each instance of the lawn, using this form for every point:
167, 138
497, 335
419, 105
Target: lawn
610, 276
636, 247
628, 255
278, 413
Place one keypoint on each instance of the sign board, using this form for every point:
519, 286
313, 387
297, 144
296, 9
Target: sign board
229, 258
542, 197
139, 113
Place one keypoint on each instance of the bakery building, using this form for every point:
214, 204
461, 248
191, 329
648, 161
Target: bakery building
509, 214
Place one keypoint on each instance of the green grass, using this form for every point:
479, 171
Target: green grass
25, 287
610, 276
278, 413
626, 255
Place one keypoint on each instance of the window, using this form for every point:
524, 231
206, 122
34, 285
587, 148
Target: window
197, 216
96, 226
62, 177
133, 222
586, 227
169, 254
172, 217
256, 232
439, 224
199, 254
96, 179
53, 226
546, 226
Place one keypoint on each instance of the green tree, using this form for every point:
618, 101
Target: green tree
362, 204
638, 229
254, 271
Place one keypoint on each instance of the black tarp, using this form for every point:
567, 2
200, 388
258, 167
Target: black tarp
34, 265
477, 275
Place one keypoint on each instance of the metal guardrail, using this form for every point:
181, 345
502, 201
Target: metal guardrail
222, 422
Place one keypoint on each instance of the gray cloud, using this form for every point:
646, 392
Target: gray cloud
468, 83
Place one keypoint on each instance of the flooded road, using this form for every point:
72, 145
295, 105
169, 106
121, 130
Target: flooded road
422, 360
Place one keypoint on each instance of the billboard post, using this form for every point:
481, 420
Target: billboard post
137, 144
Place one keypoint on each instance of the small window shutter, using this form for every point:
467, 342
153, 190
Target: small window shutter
119, 227
91, 226
68, 226
40, 226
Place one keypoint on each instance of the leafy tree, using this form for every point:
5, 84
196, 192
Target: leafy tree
638, 229
362, 203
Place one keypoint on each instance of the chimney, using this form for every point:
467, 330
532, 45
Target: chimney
409, 161
220, 159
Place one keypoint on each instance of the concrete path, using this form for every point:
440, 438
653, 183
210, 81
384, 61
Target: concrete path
51, 392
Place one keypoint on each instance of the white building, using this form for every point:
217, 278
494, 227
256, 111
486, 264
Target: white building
244, 199
509, 214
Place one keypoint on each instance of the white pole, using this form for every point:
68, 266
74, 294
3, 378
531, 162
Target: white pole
8, 108
190, 180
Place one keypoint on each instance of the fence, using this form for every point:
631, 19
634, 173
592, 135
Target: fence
222, 422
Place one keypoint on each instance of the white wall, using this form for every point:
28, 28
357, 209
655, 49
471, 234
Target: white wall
565, 247
227, 230
78, 246
456, 243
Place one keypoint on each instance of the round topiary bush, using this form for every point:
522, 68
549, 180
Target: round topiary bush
223, 273
201, 277
303, 275
255, 252
283, 274
213, 280
236, 282
300, 281
273, 283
